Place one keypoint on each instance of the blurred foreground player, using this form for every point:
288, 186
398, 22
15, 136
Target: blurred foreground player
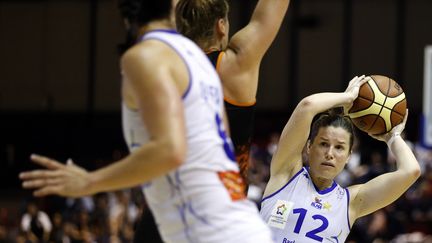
173, 122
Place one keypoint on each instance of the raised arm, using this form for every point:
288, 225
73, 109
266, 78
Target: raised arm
239, 67
287, 159
251, 42
156, 93
385, 189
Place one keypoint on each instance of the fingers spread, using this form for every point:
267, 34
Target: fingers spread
364, 80
39, 174
48, 190
46, 162
353, 79
39, 183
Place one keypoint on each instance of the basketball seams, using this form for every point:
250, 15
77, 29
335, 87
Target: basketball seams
382, 105
396, 111
386, 110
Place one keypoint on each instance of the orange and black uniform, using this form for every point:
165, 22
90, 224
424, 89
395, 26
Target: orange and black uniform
241, 121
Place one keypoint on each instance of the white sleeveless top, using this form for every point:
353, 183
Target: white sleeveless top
299, 212
191, 203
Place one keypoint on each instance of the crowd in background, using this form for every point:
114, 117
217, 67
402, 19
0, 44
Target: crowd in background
111, 217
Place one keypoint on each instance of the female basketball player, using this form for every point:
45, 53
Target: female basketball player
237, 61
173, 122
304, 204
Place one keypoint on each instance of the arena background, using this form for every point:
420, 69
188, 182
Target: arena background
59, 75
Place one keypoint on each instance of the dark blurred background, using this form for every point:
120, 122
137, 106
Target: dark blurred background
59, 75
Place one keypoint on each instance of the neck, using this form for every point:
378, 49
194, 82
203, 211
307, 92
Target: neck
210, 46
163, 24
212, 49
321, 183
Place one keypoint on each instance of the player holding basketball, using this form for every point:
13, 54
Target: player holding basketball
237, 61
173, 122
305, 204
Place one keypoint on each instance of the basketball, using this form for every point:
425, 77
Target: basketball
380, 105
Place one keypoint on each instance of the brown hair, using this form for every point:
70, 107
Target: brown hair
195, 19
138, 13
335, 118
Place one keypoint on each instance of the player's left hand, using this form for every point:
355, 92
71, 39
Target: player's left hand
57, 179
396, 131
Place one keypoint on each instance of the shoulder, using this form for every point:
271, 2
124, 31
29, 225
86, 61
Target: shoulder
279, 181
147, 51
150, 56
353, 201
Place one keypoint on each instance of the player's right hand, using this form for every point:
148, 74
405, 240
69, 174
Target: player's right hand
353, 89
57, 179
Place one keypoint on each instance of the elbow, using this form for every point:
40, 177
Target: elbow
307, 105
413, 173
416, 172
177, 158
176, 154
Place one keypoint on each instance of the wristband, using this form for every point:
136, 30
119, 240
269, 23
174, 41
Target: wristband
393, 137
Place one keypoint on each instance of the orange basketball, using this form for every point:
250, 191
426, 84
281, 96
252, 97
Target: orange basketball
380, 105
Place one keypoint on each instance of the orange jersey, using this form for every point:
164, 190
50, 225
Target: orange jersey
241, 121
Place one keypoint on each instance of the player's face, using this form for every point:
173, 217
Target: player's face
329, 152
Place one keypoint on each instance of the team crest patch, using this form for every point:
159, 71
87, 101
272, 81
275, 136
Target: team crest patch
279, 215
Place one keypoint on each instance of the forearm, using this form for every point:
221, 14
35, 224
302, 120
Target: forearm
269, 14
321, 102
150, 161
381, 191
296, 131
254, 39
405, 159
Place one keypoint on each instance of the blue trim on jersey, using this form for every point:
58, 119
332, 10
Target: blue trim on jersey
274, 193
169, 31
348, 203
327, 190
189, 84
180, 55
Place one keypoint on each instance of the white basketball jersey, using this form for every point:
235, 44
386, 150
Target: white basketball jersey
299, 212
191, 204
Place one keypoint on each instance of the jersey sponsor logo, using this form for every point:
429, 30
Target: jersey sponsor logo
319, 204
327, 206
279, 215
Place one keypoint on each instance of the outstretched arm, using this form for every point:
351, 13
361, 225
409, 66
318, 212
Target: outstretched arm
239, 67
287, 159
159, 103
385, 189
251, 42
